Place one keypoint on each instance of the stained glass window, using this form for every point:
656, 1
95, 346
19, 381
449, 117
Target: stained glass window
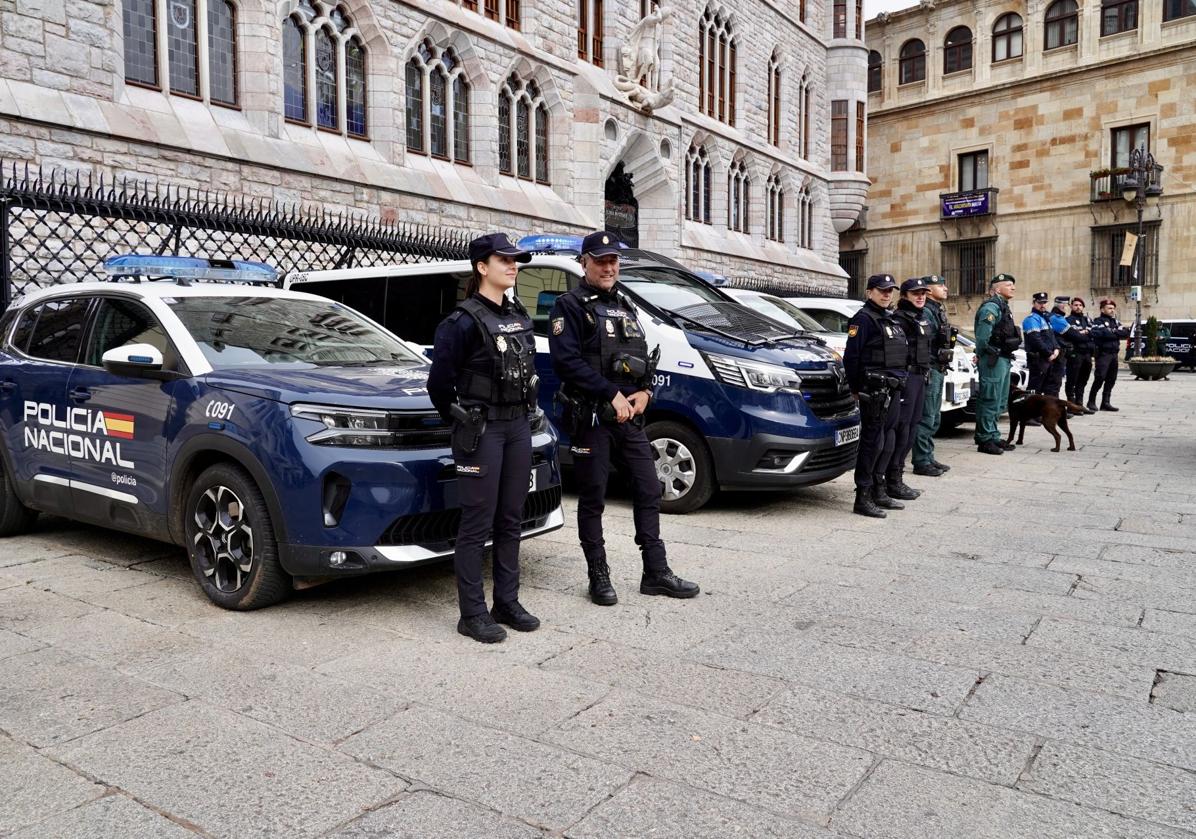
355, 109
415, 106
294, 49
542, 144
182, 47
438, 113
222, 51
461, 120
326, 80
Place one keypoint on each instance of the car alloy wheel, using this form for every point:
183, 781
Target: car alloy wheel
674, 467
224, 541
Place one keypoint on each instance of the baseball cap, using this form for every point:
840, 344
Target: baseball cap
599, 243
881, 281
482, 247
914, 284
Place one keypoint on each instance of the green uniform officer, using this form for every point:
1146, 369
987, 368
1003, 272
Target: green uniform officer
941, 355
997, 338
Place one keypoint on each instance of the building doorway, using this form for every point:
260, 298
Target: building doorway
622, 208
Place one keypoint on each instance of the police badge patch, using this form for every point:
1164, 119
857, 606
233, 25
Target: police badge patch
610, 328
501, 343
558, 326
852, 331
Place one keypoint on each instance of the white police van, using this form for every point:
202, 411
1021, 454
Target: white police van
740, 401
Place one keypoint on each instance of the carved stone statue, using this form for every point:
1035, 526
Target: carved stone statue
639, 63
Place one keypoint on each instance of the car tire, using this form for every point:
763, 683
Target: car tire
231, 542
15, 517
684, 466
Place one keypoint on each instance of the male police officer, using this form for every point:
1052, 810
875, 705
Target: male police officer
875, 360
1107, 334
600, 353
918, 335
1066, 337
1079, 364
942, 353
1042, 348
996, 340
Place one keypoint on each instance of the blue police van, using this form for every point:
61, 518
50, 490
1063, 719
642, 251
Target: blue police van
279, 437
740, 401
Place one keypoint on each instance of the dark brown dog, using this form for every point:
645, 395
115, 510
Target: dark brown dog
1051, 411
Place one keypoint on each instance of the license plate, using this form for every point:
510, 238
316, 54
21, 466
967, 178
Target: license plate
847, 435
535, 479
962, 394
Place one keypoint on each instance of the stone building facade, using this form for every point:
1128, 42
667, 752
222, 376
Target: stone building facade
395, 109
999, 131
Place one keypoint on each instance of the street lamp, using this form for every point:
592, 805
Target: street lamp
1134, 188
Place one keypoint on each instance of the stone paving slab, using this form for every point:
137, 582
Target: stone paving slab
33, 787
111, 816
121, 642
1176, 691
424, 814
13, 644
1154, 649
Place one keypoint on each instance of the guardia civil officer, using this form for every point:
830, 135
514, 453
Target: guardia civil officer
601, 356
1066, 337
942, 353
996, 340
1042, 347
1079, 364
875, 361
483, 380
1107, 335
919, 334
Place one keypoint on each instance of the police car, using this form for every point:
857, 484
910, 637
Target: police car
280, 437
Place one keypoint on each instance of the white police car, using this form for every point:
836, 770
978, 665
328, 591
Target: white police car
278, 436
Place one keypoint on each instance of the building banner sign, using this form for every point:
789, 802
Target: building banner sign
963, 204
1127, 250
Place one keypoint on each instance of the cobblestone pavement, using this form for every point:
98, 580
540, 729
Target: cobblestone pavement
1013, 656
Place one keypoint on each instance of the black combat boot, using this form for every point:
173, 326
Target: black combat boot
882, 499
1091, 406
928, 470
515, 616
900, 490
667, 583
481, 628
865, 506
1108, 406
942, 467
601, 591
989, 447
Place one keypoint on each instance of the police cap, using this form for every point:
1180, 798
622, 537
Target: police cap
482, 247
599, 243
914, 284
1002, 278
1040, 297
1062, 300
881, 281
934, 279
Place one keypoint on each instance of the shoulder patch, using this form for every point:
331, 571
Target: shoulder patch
558, 326
852, 330
990, 317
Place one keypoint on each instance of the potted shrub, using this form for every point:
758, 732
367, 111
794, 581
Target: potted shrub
1152, 366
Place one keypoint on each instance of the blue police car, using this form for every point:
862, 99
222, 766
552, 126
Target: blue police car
278, 436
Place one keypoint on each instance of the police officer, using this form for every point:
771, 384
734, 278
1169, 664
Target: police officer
919, 335
1066, 337
942, 353
996, 340
1079, 364
1042, 348
1107, 335
601, 356
875, 360
483, 380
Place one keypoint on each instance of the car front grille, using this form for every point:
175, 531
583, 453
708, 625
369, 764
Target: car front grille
438, 531
835, 457
827, 395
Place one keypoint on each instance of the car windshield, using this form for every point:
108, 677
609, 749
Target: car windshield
794, 314
274, 331
669, 289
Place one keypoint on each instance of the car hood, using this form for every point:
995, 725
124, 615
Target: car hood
797, 353
396, 388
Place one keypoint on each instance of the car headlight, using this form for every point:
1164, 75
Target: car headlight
375, 428
754, 375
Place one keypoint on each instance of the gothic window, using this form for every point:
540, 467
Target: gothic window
774, 100
775, 208
738, 197
697, 185
1062, 24
839, 135
803, 122
716, 68
839, 17
801, 10
183, 71
805, 219
913, 62
957, 50
859, 20
523, 147
860, 121
590, 31
1007, 37
321, 40
875, 70
437, 104
1118, 16
506, 12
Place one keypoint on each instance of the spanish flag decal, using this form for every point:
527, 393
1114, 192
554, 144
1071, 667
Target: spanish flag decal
119, 425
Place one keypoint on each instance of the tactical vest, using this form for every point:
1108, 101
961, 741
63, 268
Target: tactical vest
1108, 339
512, 346
942, 326
892, 351
1004, 336
622, 354
919, 333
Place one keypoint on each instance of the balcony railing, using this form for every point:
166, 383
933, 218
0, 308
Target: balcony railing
1107, 184
973, 202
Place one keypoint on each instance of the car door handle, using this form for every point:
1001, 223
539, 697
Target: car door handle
80, 394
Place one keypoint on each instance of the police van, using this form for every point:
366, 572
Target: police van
740, 402
279, 437
1177, 338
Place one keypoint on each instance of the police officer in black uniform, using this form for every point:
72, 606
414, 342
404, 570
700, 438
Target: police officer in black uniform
875, 360
1107, 335
601, 356
483, 380
919, 335
1079, 363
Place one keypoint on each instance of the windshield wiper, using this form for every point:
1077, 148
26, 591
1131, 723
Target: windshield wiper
694, 322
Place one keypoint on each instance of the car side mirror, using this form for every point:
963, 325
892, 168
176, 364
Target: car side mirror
135, 360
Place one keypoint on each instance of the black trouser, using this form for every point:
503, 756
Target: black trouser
491, 489
1037, 365
594, 450
1104, 375
1052, 378
907, 425
1079, 368
878, 438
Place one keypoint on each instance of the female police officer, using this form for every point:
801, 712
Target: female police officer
483, 380
875, 360
911, 317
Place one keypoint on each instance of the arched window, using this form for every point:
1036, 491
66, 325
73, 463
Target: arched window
774, 100
324, 37
1062, 24
775, 208
437, 104
184, 73
222, 51
697, 185
805, 219
875, 70
504, 12
1118, 16
182, 48
1007, 37
738, 197
141, 42
590, 44
957, 50
913, 62
716, 68
803, 117
523, 129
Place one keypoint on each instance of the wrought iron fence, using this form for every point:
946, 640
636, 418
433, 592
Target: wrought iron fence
58, 227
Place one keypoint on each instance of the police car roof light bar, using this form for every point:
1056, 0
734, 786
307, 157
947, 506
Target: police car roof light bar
550, 243
185, 269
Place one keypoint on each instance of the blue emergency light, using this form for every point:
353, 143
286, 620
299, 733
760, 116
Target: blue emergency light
183, 269
553, 243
